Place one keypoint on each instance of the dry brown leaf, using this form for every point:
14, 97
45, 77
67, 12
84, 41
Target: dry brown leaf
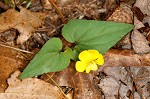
139, 43
122, 14
143, 73
123, 78
81, 83
30, 88
108, 5
119, 73
141, 78
138, 24
136, 96
137, 13
109, 87
10, 60
62, 78
84, 87
24, 21
115, 57
148, 87
123, 91
146, 19
148, 38
144, 6
125, 42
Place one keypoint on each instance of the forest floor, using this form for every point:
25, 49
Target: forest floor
124, 75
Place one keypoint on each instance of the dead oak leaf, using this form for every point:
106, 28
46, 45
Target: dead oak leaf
118, 81
143, 73
139, 42
109, 87
143, 5
30, 88
137, 23
24, 21
10, 61
84, 87
122, 14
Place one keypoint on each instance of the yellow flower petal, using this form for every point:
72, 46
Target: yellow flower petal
88, 69
80, 66
85, 56
91, 66
89, 60
94, 54
100, 60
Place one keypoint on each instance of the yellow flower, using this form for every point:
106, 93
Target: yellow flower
89, 59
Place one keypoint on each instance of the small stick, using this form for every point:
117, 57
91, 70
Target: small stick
56, 85
56, 7
15, 48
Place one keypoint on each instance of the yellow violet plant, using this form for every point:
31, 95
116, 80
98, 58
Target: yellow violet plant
89, 60
88, 38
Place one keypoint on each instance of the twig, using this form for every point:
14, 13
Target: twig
56, 7
57, 85
16, 48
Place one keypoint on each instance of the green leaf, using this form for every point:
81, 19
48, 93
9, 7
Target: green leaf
92, 34
48, 59
75, 54
69, 52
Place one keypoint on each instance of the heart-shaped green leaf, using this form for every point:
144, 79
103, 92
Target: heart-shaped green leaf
48, 59
92, 34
